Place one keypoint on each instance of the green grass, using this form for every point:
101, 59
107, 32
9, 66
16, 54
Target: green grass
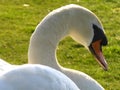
18, 22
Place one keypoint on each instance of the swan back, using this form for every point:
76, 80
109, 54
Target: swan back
35, 77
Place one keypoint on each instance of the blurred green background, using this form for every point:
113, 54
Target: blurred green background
18, 19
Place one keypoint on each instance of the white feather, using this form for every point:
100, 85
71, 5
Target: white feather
35, 77
71, 20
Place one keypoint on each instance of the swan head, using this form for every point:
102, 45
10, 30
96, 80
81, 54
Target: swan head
88, 31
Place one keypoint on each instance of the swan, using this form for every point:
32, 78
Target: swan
35, 77
77, 22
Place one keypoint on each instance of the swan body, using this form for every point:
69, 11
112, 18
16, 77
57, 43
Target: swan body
79, 23
5, 66
35, 77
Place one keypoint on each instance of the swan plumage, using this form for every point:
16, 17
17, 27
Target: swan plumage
79, 23
4, 66
35, 77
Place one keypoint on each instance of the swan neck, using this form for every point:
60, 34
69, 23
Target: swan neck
43, 44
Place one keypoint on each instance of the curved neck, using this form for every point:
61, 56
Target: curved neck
51, 30
44, 41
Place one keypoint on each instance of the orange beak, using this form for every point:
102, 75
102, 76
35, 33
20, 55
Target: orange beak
96, 50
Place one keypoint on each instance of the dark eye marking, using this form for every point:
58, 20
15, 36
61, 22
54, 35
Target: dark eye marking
99, 35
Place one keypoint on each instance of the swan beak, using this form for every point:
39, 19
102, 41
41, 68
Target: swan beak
96, 49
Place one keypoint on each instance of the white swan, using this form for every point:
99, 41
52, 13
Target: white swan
79, 23
35, 77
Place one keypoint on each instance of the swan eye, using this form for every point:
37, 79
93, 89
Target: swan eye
99, 35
